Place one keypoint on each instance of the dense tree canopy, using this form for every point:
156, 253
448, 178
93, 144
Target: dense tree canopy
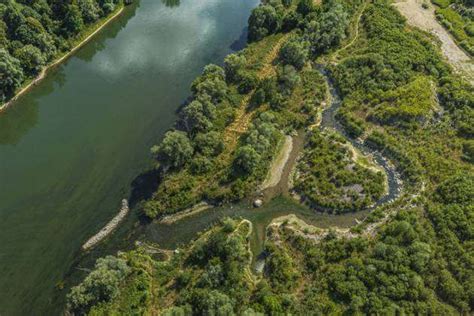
34, 32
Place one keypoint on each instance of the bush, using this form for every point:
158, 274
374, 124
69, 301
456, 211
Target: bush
294, 53
468, 151
233, 64
175, 150
288, 78
263, 21
248, 82
101, 285
247, 160
442, 3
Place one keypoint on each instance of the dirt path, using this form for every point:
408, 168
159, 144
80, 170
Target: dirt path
354, 38
58, 61
425, 20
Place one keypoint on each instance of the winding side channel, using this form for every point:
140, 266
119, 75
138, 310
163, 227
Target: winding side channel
329, 121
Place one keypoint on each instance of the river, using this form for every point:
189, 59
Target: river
72, 146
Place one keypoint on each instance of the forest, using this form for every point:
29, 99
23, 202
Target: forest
35, 33
399, 97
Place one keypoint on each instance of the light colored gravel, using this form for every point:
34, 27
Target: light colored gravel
425, 20
278, 164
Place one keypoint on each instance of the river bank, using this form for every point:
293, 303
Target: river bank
33, 82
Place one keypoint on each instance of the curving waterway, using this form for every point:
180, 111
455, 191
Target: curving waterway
394, 183
71, 148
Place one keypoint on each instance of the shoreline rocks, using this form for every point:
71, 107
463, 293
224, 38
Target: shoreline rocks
108, 228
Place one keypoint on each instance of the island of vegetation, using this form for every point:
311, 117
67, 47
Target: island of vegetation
400, 100
36, 35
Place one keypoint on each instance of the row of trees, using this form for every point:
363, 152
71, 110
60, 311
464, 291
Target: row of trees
32, 33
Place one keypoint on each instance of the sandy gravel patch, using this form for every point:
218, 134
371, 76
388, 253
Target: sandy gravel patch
425, 20
278, 164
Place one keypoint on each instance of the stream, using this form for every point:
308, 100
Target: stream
329, 121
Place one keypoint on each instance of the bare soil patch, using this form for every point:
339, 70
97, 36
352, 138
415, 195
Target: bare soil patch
425, 20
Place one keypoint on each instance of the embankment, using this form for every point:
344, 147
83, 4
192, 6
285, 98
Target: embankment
107, 229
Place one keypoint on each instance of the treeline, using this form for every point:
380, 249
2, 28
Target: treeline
33, 33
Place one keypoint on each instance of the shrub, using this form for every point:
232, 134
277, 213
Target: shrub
175, 150
248, 82
294, 53
263, 21
101, 285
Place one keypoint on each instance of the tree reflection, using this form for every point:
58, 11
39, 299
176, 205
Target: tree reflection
171, 3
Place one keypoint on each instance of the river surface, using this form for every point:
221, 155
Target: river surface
72, 146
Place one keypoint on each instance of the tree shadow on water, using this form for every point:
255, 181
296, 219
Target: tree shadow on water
143, 187
171, 3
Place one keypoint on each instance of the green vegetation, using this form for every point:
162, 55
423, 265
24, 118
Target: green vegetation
413, 256
228, 133
34, 33
458, 18
329, 177
210, 278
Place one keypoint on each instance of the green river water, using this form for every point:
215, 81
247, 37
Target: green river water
72, 146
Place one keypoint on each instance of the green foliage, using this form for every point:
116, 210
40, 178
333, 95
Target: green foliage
197, 116
209, 144
329, 178
73, 20
294, 53
288, 78
457, 189
211, 83
247, 159
36, 31
468, 151
233, 64
89, 10
175, 149
247, 82
263, 21
328, 29
442, 3
31, 59
305, 7
412, 102
11, 74
101, 285
460, 27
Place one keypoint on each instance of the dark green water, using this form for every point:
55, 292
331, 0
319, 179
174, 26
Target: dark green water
70, 148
